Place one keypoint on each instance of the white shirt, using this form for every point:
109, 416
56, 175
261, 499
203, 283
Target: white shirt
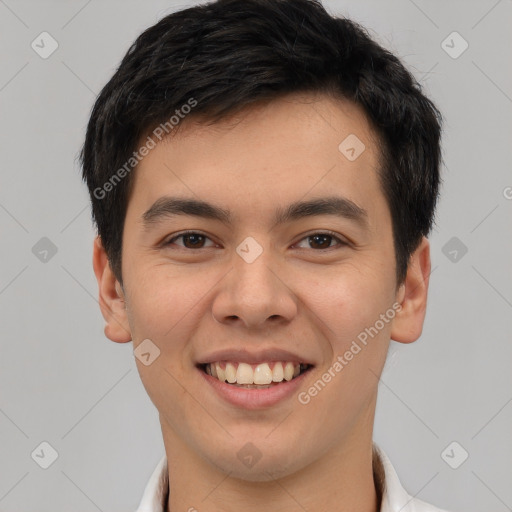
394, 497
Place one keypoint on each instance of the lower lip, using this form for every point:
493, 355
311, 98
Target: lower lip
252, 399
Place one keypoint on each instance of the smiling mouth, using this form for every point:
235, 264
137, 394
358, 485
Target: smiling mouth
255, 376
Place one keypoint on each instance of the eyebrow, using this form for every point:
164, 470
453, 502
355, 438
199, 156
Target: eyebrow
168, 207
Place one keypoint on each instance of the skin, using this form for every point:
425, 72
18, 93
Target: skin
294, 296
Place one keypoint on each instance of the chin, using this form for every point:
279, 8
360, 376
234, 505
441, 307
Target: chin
254, 464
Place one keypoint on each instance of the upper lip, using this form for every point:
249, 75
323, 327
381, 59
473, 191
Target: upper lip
256, 357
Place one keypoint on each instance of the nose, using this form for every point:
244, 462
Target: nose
255, 295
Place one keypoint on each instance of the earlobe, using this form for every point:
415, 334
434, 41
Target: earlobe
412, 296
111, 297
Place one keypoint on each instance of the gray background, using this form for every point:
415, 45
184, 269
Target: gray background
63, 382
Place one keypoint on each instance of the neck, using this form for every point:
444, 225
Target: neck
343, 480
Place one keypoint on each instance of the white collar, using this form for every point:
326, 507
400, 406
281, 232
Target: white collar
394, 497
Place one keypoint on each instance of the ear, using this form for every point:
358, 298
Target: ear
111, 296
412, 295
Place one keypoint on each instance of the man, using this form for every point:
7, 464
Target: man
263, 177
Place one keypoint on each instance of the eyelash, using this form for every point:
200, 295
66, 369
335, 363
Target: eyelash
333, 235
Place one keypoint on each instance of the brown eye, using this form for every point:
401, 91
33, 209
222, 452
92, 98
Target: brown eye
191, 240
321, 241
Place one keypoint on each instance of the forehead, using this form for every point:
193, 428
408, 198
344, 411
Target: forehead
275, 152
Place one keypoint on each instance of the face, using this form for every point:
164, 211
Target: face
257, 281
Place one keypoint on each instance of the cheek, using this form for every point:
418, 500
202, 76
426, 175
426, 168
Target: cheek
161, 301
163, 308
347, 300
359, 340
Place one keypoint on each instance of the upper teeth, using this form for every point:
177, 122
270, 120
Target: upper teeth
243, 373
